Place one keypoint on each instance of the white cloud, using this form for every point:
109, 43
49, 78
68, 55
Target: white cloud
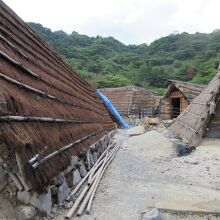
130, 21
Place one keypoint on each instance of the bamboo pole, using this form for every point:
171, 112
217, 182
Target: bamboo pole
97, 183
97, 179
80, 198
44, 94
39, 92
53, 154
10, 44
46, 119
87, 175
33, 74
94, 180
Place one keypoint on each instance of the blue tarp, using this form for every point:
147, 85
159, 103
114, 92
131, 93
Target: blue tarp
112, 108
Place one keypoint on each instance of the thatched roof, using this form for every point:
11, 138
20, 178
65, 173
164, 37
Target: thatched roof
192, 122
189, 90
129, 100
44, 104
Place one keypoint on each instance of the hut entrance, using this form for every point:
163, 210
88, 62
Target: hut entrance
175, 102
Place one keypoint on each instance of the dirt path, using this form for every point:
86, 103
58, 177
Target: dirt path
144, 173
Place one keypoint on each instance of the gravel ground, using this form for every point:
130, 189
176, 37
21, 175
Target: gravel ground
144, 172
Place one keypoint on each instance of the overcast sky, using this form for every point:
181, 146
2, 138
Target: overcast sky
130, 21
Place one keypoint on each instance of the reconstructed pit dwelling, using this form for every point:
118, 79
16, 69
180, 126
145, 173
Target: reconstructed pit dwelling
133, 101
53, 124
178, 96
202, 117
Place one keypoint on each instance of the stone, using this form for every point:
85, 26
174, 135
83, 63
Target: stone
42, 202
25, 213
75, 161
88, 159
53, 189
24, 196
138, 130
95, 157
182, 149
3, 178
63, 192
153, 214
76, 177
58, 180
67, 205
82, 170
168, 134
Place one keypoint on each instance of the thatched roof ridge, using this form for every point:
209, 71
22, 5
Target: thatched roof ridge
192, 122
189, 90
44, 104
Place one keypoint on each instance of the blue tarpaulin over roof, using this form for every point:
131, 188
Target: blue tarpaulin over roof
112, 108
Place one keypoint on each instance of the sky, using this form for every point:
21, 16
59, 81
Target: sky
130, 21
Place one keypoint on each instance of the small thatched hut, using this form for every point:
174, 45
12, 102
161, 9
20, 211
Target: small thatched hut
178, 96
202, 117
48, 113
132, 100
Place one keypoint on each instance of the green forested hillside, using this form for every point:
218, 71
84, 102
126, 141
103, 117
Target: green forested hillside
109, 63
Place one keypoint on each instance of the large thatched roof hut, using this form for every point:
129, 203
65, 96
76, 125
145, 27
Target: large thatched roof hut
132, 100
178, 96
202, 117
48, 113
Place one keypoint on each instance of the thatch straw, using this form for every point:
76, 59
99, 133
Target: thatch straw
191, 124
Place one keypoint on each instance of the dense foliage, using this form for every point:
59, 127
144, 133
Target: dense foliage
109, 63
